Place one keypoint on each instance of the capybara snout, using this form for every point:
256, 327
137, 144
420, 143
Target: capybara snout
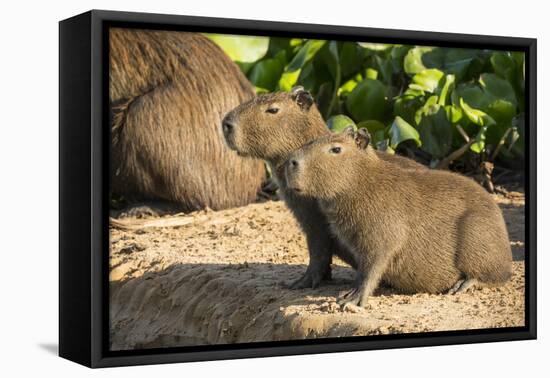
228, 129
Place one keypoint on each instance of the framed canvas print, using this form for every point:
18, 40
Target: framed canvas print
233, 188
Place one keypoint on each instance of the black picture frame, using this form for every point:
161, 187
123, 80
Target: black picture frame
84, 165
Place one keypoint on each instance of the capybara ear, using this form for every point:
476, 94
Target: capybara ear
349, 131
303, 98
295, 90
362, 138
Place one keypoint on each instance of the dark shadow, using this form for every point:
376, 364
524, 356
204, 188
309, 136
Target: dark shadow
514, 216
51, 348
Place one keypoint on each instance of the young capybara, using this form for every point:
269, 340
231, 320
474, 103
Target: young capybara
270, 127
169, 92
431, 231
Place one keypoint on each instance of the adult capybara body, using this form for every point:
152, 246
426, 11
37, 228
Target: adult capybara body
169, 92
271, 127
430, 231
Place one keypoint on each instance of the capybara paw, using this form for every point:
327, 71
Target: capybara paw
353, 297
140, 211
301, 283
307, 281
463, 286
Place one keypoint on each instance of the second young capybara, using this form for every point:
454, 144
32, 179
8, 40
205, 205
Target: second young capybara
431, 231
168, 93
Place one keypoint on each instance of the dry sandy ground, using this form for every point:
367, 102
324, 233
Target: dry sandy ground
219, 279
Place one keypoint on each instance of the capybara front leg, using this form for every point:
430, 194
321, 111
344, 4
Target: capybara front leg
369, 277
318, 270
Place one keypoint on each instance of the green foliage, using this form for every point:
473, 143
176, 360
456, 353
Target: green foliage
339, 122
242, 49
416, 97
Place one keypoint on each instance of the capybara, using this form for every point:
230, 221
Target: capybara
168, 93
270, 127
418, 231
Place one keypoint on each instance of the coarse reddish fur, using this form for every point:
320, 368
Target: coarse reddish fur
419, 231
169, 92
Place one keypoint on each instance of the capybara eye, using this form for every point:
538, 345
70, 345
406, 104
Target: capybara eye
272, 110
335, 150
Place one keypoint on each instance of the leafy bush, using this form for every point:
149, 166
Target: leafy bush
440, 104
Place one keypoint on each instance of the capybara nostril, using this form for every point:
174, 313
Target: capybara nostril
227, 126
293, 163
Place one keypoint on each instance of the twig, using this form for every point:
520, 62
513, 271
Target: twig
137, 224
444, 163
463, 133
500, 144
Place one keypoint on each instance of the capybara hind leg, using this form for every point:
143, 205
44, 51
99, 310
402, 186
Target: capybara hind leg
483, 251
463, 286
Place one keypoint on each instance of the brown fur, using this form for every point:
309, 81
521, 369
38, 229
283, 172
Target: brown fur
168, 93
419, 231
273, 137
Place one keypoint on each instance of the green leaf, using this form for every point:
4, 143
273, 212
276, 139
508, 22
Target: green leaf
503, 65
378, 137
454, 113
332, 61
368, 100
459, 61
449, 60
479, 145
305, 54
427, 80
288, 80
427, 108
497, 87
349, 85
501, 111
496, 98
266, 73
400, 131
472, 95
324, 97
339, 122
436, 132
447, 87
351, 58
407, 105
518, 147
372, 126
384, 68
397, 56
245, 67
308, 77
241, 48
413, 63
476, 116
260, 90
372, 73
374, 46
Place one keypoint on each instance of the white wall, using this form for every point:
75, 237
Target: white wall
29, 189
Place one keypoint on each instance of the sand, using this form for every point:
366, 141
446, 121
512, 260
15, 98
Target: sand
218, 277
